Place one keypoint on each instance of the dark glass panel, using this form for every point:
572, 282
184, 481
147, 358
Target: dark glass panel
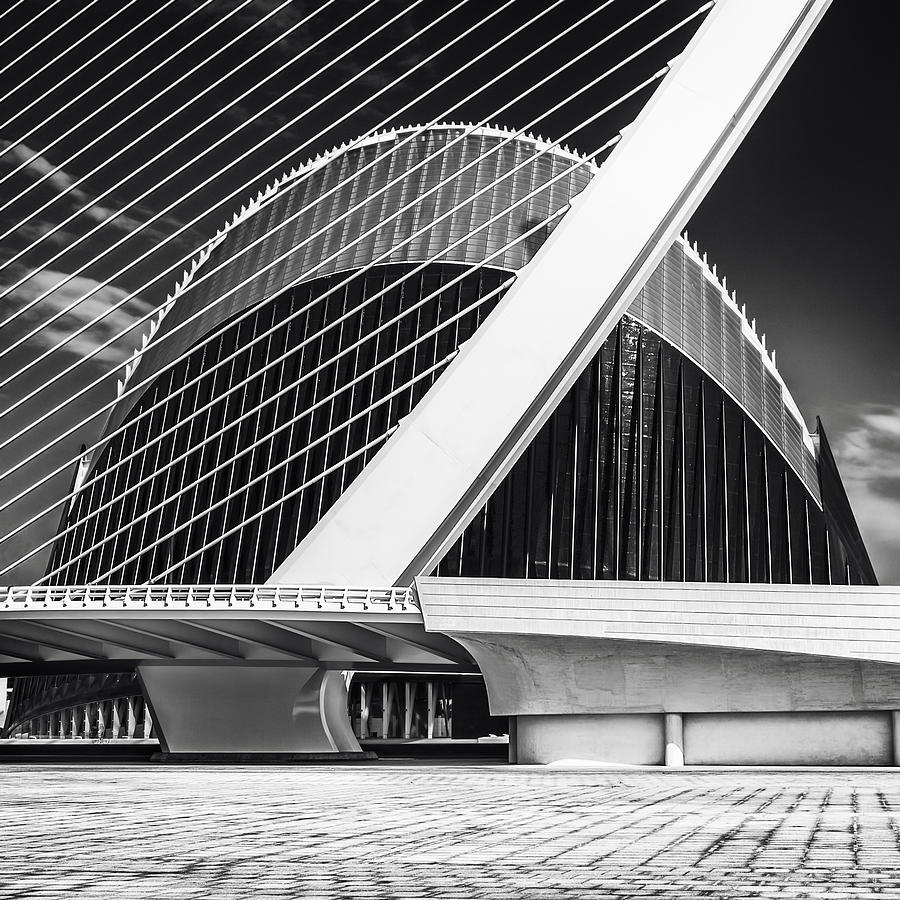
694, 482
673, 464
818, 547
778, 520
607, 495
650, 507
736, 493
630, 438
799, 530
715, 536
585, 464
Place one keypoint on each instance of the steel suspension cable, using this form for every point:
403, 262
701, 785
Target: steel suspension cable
11, 8
175, 362
149, 315
143, 49
211, 178
46, 37
69, 47
183, 228
107, 160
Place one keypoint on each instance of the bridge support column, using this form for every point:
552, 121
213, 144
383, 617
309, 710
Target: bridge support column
674, 740
255, 711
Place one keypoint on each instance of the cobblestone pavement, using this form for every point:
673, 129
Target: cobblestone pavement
434, 831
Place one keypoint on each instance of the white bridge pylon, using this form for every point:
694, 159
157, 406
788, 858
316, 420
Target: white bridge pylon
413, 500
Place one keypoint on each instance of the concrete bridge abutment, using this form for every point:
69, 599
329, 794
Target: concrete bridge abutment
249, 710
614, 673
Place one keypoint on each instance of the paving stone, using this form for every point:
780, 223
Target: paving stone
448, 832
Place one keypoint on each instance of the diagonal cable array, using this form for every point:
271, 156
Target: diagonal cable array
194, 190
12, 8
166, 119
420, 130
69, 47
30, 48
214, 334
133, 386
154, 312
57, 110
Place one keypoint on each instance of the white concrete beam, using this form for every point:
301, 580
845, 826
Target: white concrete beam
413, 500
861, 623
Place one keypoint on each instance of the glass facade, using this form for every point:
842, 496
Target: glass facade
355, 363
649, 470
683, 302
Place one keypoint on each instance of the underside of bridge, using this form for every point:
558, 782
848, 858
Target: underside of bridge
223, 670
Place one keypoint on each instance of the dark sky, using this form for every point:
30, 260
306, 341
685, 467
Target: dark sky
801, 221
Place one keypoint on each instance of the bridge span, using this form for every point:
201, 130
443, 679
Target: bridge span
603, 671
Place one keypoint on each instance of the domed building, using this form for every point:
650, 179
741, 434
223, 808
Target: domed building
320, 316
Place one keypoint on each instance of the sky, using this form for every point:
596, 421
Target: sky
801, 221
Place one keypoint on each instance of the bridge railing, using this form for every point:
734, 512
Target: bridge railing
215, 596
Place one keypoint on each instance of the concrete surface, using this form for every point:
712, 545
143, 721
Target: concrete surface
634, 740
381, 831
248, 709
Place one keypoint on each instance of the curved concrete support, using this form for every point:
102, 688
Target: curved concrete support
613, 702
222, 709
534, 675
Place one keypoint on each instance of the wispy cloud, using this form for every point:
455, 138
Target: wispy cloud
76, 198
117, 325
868, 454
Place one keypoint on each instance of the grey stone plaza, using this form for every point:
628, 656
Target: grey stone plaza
446, 831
